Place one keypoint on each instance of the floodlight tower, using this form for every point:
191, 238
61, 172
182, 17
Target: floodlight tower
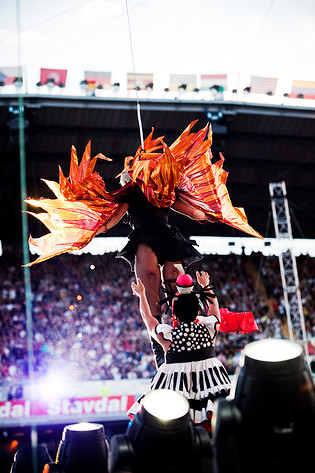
287, 261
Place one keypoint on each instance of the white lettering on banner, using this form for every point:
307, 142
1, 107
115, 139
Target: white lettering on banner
101, 404
5, 410
13, 409
17, 411
56, 407
87, 406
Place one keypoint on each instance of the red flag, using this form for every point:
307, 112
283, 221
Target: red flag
59, 76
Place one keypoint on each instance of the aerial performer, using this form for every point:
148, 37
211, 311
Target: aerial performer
180, 177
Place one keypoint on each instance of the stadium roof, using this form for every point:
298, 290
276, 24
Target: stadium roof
261, 144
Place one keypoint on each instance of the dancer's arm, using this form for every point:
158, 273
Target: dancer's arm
150, 322
115, 218
203, 279
191, 212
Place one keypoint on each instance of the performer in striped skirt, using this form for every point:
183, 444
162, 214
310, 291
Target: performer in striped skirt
191, 366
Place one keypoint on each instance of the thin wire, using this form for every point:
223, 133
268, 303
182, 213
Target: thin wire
134, 75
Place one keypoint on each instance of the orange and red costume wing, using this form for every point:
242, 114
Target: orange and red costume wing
81, 207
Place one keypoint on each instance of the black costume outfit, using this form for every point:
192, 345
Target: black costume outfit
150, 225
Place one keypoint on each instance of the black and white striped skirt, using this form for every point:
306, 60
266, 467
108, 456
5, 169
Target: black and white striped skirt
200, 382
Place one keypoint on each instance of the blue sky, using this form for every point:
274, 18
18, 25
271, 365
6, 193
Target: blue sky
274, 38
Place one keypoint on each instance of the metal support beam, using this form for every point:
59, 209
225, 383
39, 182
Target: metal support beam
287, 261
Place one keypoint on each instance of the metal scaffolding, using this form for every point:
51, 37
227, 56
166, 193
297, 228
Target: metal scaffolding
287, 261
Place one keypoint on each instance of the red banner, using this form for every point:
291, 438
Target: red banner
58, 75
62, 407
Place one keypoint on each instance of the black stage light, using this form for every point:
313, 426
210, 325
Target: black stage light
83, 449
24, 459
162, 438
267, 424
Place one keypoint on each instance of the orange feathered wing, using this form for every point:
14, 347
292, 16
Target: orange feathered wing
203, 185
185, 170
81, 207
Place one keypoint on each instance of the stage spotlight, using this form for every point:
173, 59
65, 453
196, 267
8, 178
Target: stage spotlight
267, 424
162, 437
216, 116
149, 87
50, 84
24, 461
83, 448
246, 90
18, 82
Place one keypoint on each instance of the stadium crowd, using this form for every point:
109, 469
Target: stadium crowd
85, 319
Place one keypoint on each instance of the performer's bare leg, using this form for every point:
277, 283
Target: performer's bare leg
171, 271
147, 269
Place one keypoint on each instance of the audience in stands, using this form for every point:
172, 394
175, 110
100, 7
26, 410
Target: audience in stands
86, 321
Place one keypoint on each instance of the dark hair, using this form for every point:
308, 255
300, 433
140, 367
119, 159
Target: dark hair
186, 307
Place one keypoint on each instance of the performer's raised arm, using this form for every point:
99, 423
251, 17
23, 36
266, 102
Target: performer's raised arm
150, 322
115, 218
203, 280
191, 212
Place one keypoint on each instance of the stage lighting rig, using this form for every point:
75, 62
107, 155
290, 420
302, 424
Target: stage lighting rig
83, 449
162, 438
267, 424
24, 460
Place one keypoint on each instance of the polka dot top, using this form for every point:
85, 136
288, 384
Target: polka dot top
190, 341
190, 336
